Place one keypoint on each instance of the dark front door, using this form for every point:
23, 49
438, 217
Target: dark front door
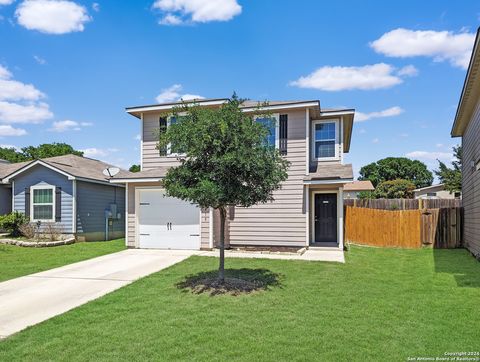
325, 218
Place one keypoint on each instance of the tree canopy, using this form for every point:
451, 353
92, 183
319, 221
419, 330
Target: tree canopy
393, 168
395, 189
226, 160
134, 168
451, 177
35, 152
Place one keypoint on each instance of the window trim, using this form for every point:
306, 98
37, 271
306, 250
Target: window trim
336, 121
53, 203
277, 126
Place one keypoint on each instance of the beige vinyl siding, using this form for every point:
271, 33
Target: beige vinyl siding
281, 222
150, 155
205, 229
471, 183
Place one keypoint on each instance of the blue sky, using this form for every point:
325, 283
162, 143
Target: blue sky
68, 68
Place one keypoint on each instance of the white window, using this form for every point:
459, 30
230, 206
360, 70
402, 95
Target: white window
171, 149
325, 140
42, 203
271, 122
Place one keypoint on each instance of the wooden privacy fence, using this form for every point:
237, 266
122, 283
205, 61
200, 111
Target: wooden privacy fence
404, 204
440, 228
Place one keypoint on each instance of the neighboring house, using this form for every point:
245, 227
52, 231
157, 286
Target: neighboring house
308, 209
351, 190
467, 126
435, 192
70, 191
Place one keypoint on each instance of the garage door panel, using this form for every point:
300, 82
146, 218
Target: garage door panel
166, 222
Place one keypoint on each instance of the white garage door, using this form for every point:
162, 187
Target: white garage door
167, 222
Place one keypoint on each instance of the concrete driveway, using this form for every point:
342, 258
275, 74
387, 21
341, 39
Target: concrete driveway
31, 299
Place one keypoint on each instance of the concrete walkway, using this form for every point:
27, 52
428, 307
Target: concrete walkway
31, 299
333, 255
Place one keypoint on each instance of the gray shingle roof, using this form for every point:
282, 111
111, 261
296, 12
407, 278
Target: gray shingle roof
76, 166
330, 171
158, 172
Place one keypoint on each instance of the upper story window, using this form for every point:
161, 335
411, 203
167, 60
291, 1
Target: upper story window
42, 203
271, 122
163, 123
325, 140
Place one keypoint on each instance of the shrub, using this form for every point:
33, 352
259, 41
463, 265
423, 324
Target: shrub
365, 195
396, 189
28, 230
12, 222
52, 231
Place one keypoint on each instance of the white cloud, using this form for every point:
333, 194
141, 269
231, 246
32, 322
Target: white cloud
20, 102
408, 71
440, 45
16, 148
94, 152
375, 140
190, 97
24, 113
96, 7
337, 78
68, 125
105, 154
39, 60
14, 90
172, 94
389, 112
430, 156
7, 130
170, 19
52, 16
6, 2
196, 11
4, 72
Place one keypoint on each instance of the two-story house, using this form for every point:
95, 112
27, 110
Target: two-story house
307, 210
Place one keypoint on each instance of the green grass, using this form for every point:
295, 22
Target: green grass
16, 261
383, 304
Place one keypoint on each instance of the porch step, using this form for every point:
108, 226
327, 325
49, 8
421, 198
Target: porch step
324, 246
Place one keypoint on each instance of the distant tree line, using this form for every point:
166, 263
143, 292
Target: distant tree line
30, 153
397, 177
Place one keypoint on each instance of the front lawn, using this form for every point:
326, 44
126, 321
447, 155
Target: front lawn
16, 261
383, 304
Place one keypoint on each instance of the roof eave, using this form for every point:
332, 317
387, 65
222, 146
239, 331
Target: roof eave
462, 115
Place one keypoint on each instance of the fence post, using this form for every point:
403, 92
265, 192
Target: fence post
420, 202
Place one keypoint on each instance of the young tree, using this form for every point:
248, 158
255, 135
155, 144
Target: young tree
134, 168
393, 168
451, 177
395, 189
227, 161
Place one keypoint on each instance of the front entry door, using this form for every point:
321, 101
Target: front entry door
325, 218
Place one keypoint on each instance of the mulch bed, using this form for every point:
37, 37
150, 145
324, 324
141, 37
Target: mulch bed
237, 282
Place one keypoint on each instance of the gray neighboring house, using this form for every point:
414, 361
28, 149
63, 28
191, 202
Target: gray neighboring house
435, 192
467, 126
70, 191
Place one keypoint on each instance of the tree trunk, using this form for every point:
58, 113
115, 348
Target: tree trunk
221, 267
